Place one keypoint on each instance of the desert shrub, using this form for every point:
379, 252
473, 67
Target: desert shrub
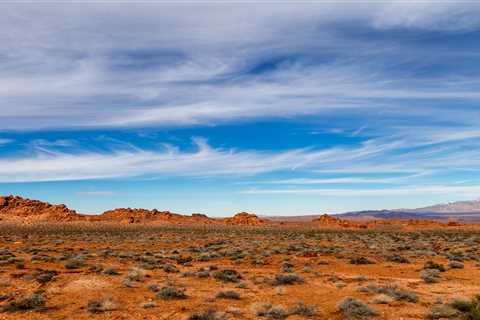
106, 303
430, 275
111, 271
35, 257
361, 278
256, 261
207, 315
455, 265
136, 274
270, 311
391, 291
360, 260
186, 274
304, 310
228, 275
352, 308
229, 294
34, 301
287, 267
171, 293
203, 273
434, 265
153, 287
382, 299
397, 259
74, 263
470, 309
237, 255
169, 268
401, 295
287, 279
183, 259
45, 276
442, 311
97, 268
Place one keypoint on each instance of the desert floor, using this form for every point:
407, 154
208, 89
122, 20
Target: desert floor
141, 272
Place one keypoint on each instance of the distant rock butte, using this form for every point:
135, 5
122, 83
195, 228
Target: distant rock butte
128, 215
244, 218
329, 221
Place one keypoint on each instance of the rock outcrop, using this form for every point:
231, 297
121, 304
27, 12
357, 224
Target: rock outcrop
326, 220
244, 218
130, 216
15, 208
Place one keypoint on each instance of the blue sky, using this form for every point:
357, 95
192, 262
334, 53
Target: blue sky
278, 109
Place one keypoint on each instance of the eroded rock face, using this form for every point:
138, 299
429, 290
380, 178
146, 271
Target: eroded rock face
245, 218
13, 208
329, 221
129, 216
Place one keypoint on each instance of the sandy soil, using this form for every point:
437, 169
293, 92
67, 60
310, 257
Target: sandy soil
141, 260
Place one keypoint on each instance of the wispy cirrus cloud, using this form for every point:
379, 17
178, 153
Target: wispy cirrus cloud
5, 141
343, 180
464, 191
82, 75
170, 161
408, 162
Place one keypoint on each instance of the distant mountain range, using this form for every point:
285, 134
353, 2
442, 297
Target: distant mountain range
467, 211
453, 207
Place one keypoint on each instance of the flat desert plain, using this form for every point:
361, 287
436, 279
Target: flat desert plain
114, 271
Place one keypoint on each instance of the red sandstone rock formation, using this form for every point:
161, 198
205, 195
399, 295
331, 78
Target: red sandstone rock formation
244, 218
14, 209
129, 216
326, 220
18, 209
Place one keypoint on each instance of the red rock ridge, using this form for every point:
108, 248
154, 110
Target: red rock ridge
129, 216
244, 218
14, 208
326, 220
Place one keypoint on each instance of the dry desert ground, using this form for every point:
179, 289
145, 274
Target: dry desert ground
114, 271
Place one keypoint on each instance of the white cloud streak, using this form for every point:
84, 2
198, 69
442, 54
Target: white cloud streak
205, 161
348, 180
467, 191
372, 156
5, 141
